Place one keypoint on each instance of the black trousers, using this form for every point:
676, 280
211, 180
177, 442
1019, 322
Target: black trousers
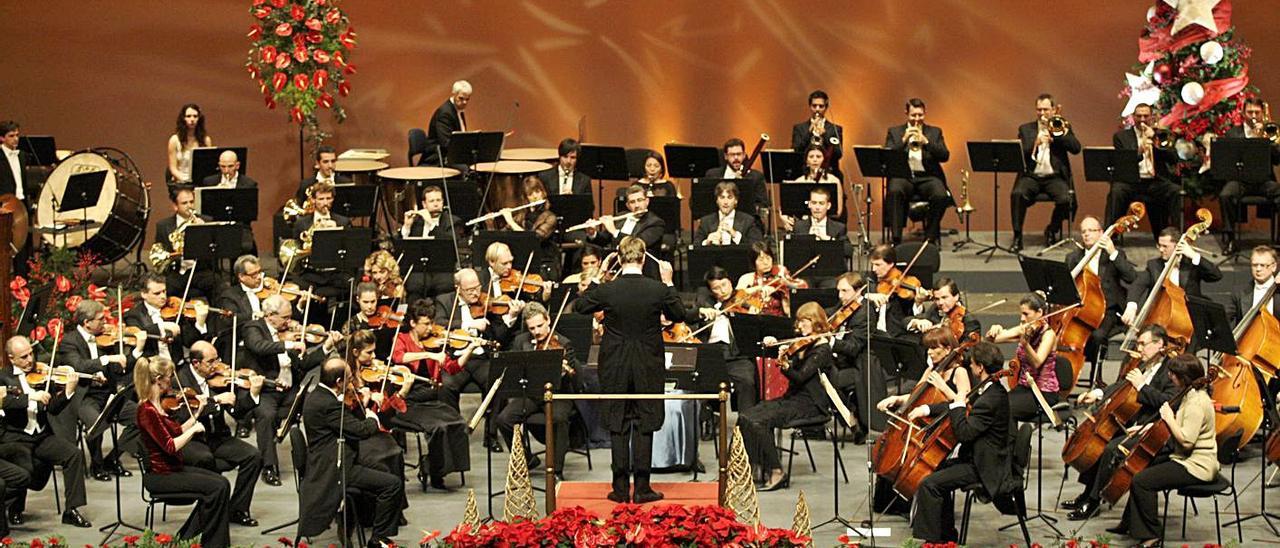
518, 411
210, 519
933, 510
37, 455
1160, 195
852, 380
757, 426
90, 408
273, 405
1024, 194
898, 197
13, 480
742, 375
1142, 512
632, 452
475, 372
1231, 193
387, 492
446, 431
223, 454
1098, 339
1095, 478
1023, 406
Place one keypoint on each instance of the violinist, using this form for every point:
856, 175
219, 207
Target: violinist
272, 350
29, 437
805, 397
241, 297
501, 267
367, 301
1262, 265
538, 336
895, 308
428, 411
205, 283
945, 311
727, 225
1190, 457
216, 448
163, 439
478, 320
382, 270
320, 493
1154, 388
1037, 355
647, 226
1187, 274
80, 350
769, 282
165, 337
715, 306
1114, 271
851, 352
380, 451
328, 282
980, 420
588, 264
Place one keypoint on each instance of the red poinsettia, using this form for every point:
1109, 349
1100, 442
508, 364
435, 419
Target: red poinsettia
72, 302
18, 286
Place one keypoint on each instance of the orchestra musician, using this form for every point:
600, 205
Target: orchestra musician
166, 338
1037, 354
817, 129
501, 265
1151, 380
715, 305
981, 422
380, 451
894, 309
752, 181
1114, 271
1187, 274
326, 162
945, 311
188, 135
382, 270
325, 482
326, 282
564, 177
647, 226
466, 309
80, 350
538, 219
805, 397
817, 223
447, 118
771, 282
1262, 268
14, 180
1190, 457
216, 448
1156, 186
241, 298
205, 283
427, 411
926, 152
631, 362
228, 175
538, 336
1048, 170
654, 181
28, 437
275, 350
1251, 127
851, 352
727, 225
163, 440
430, 221
367, 308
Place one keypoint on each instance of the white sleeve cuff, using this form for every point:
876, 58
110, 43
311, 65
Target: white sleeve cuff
956, 405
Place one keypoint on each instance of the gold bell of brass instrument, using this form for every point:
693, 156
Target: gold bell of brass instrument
965, 206
159, 257
291, 250
1058, 125
915, 137
1163, 137
292, 210
1270, 129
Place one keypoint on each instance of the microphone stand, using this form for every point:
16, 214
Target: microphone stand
448, 210
501, 147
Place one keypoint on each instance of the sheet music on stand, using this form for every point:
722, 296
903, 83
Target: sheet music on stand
836, 401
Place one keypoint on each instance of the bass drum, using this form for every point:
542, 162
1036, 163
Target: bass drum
120, 212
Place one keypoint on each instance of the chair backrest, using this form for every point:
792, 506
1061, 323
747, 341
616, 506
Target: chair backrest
417, 144
1228, 449
1064, 372
298, 450
1022, 448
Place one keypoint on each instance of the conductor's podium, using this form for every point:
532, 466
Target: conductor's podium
591, 495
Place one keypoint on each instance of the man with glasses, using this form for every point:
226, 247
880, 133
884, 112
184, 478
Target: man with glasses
1262, 265
216, 449
1151, 380
1114, 271
241, 299
649, 227
455, 311
1156, 186
79, 349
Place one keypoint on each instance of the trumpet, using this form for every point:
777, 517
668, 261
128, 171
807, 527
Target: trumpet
1270, 129
914, 136
817, 127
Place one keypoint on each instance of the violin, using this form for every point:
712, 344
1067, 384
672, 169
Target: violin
552, 342
222, 379
457, 339
379, 372
679, 332
843, 313
487, 303
794, 351
110, 335
312, 334
61, 375
895, 283
289, 290
170, 401
511, 284
170, 309
955, 320
386, 317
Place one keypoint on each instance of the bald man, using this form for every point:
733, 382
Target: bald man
229, 175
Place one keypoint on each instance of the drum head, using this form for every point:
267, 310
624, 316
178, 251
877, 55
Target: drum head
121, 208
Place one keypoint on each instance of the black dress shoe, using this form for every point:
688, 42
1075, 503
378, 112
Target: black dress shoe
271, 476
243, 429
438, 483
1017, 244
782, 483
1050, 236
116, 469
1119, 529
1074, 503
860, 436
243, 518
16, 518
73, 518
619, 497
1085, 510
99, 473
646, 496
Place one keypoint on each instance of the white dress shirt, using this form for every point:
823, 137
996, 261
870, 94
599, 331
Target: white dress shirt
1044, 163
32, 426
156, 318
286, 366
1260, 291
16, 168
1146, 166
818, 227
726, 221
566, 180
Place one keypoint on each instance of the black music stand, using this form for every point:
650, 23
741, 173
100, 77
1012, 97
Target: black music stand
1211, 328
995, 157
884, 164
428, 255
238, 205
572, 209
603, 163
750, 329
1244, 160
690, 161
666, 208
344, 249
524, 375
736, 259
474, 147
352, 200
782, 165
204, 161
828, 298
702, 196
577, 327
462, 198
42, 148
794, 198
521, 244
1111, 165
1052, 277
906, 355
82, 191
833, 255
211, 242
107, 421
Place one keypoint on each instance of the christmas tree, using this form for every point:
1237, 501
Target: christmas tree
1193, 70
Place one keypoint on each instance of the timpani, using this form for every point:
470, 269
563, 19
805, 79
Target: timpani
506, 176
400, 189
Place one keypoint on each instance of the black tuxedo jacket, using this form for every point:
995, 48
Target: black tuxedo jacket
753, 179
551, 180
214, 414
7, 184
262, 352
338, 178
1242, 301
985, 434
1058, 149
1189, 277
744, 223
801, 138
649, 228
15, 407
933, 155
304, 222
187, 336
446, 228
1163, 158
444, 121
74, 351
835, 229
1114, 275
497, 330
523, 342
850, 350
242, 181
319, 494
1152, 395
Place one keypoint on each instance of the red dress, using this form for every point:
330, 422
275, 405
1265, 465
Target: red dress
405, 342
163, 456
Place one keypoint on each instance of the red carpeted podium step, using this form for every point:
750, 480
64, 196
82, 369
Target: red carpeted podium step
591, 494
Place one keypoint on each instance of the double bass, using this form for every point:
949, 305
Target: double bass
1167, 303
1109, 417
1074, 328
1246, 373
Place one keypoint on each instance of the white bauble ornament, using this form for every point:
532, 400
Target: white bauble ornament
1192, 93
1211, 52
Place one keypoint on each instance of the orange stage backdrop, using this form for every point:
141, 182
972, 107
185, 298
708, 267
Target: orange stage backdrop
642, 72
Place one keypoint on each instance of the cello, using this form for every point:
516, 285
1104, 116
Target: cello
1246, 373
1109, 416
1075, 328
1166, 305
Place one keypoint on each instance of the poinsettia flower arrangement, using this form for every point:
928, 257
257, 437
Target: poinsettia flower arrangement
298, 56
627, 525
48, 296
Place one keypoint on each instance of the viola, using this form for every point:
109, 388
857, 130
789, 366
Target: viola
42, 373
895, 283
170, 401
312, 333
223, 379
170, 309
679, 332
955, 321
552, 342
489, 304
378, 372
289, 290
386, 317
110, 335
457, 339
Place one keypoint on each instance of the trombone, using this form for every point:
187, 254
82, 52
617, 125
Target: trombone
1269, 129
1057, 125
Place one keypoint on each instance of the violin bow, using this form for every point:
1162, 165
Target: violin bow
49, 381
234, 320
306, 315
898, 283
182, 304
284, 275
524, 275
559, 314
182, 396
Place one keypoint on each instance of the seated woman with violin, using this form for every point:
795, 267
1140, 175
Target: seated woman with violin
770, 283
366, 311
1190, 457
380, 451
422, 349
382, 270
163, 439
944, 309
801, 360
1035, 358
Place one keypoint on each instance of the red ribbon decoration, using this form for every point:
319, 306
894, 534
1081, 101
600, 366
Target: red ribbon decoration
1159, 42
1214, 92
